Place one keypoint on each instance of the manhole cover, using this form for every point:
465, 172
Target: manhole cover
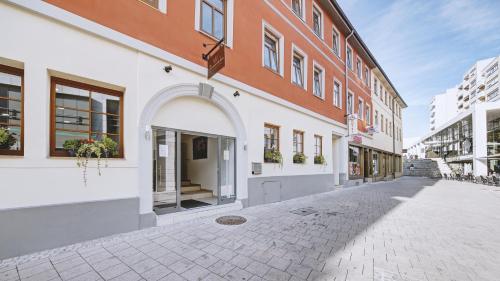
304, 211
231, 220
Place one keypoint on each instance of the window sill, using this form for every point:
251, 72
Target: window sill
320, 98
299, 86
338, 107
273, 71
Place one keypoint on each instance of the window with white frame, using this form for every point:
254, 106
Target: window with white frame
298, 8
382, 122
349, 57
271, 48
336, 42
360, 109
318, 81
350, 104
385, 94
376, 118
368, 115
212, 17
298, 70
337, 94
375, 86
367, 77
358, 67
317, 22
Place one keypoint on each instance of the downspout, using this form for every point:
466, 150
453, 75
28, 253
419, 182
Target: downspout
393, 143
347, 82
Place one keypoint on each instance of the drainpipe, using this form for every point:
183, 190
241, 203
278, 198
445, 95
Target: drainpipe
347, 80
393, 143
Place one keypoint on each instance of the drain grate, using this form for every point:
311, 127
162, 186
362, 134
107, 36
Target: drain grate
231, 220
304, 211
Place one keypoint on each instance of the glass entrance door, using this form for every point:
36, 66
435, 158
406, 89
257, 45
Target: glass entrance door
227, 170
165, 171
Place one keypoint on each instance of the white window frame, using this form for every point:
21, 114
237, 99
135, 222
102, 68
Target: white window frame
267, 28
303, 7
229, 18
361, 114
322, 21
359, 72
375, 86
368, 114
375, 120
351, 109
349, 62
367, 76
335, 80
305, 67
335, 30
322, 80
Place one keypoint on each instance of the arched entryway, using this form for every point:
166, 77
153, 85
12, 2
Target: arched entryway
192, 102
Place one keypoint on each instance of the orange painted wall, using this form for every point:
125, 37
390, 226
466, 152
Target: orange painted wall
175, 33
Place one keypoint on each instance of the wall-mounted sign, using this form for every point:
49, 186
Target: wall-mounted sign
352, 122
216, 61
357, 139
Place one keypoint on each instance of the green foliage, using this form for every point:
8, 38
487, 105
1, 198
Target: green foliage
299, 158
319, 159
7, 138
111, 146
273, 156
72, 144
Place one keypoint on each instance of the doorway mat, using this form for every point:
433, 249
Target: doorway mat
190, 203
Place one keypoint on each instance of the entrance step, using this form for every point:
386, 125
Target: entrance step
185, 182
191, 187
197, 194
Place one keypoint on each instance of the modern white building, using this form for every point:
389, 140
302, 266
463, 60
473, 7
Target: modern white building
469, 139
443, 108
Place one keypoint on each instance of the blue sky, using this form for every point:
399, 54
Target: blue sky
425, 46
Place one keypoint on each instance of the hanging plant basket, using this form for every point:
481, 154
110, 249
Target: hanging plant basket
299, 158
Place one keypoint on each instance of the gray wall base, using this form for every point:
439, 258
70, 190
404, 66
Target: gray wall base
28, 230
342, 178
263, 190
147, 220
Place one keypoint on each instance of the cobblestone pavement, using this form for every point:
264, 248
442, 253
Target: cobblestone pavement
409, 229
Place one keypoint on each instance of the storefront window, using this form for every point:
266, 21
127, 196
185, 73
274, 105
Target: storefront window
354, 161
375, 164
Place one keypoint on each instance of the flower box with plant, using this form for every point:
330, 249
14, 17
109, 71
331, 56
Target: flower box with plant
320, 160
7, 139
84, 150
273, 156
299, 158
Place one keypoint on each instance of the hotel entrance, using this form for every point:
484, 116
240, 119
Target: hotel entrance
192, 170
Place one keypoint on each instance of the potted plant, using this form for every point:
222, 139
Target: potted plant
319, 159
111, 147
7, 139
273, 156
88, 149
72, 146
299, 158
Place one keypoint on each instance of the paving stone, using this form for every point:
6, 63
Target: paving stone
241, 261
221, 268
156, 273
128, 276
75, 271
9, 275
114, 271
144, 265
70, 263
276, 275
238, 274
173, 277
104, 264
257, 268
206, 260
213, 277
34, 270
299, 270
195, 273
89, 276
279, 263
181, 266
47, 275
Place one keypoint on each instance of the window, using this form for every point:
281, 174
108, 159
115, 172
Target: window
298, 70
385, 98
382, 122
350, 104
317, 22
376, 118
354, 161
212, 17
375, 86
84, 112
298, 142
381, 92
367, 77
358, 67
318, 81
11, 110
337, 96
152, 3
297, 7
349, 58
271, 52
360, 109
271, 141
336, 42
386, 126
390, 129
318, 145
368, 115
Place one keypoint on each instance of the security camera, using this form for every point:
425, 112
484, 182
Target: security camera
236, 94
168, 68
